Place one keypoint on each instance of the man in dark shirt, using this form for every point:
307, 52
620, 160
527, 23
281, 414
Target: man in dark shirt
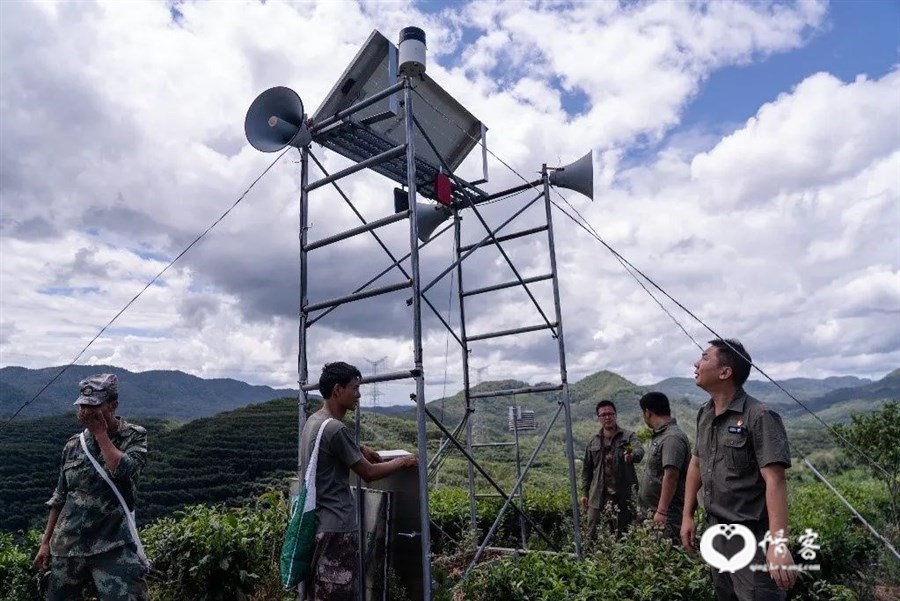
740, 458
608, 476
334, 569
662, 487
87, 536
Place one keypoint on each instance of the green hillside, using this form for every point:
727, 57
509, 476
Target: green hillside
31, 450
235, 455
229, 458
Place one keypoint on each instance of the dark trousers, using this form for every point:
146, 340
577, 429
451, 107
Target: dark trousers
118, 575
746, 584
616, 519
334, 567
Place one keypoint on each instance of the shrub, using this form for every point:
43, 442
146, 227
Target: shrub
847, 547
638, 567
449, 507
215, 553
17, 576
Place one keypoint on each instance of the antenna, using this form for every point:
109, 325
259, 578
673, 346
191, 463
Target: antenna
376, 394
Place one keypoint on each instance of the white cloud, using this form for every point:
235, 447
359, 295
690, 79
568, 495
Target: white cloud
822, 131
122, 139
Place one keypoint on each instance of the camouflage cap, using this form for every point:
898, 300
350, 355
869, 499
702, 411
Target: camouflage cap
98, 389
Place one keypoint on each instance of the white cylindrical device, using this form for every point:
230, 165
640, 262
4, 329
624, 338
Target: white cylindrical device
411, 51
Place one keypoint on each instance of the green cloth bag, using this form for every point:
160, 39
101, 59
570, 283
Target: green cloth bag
300, 537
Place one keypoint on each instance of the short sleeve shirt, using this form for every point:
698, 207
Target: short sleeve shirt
91, 519
731, 448
335, 505
669, 447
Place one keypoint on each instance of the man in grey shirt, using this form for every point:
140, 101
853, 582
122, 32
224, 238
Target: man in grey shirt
662, 487
334, 570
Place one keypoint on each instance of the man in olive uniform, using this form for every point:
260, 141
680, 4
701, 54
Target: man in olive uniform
87, 536
740, 458
662, 487
608, 475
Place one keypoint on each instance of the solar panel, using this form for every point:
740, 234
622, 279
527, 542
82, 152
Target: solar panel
452, 129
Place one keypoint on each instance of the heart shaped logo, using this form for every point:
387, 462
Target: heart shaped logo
734, 561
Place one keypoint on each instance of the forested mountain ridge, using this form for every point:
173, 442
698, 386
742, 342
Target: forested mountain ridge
236, 454
802, 388
164, 394
180, 396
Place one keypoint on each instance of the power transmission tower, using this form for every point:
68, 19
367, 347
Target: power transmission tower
376, 394
478, 371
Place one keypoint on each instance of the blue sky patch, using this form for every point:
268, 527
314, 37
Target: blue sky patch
858, 37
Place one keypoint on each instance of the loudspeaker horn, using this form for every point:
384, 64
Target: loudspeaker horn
428, 217
578, 176
275, 120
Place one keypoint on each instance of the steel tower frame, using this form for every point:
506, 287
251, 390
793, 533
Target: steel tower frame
384, 155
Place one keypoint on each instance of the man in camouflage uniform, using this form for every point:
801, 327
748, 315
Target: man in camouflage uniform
334, 570
87, 536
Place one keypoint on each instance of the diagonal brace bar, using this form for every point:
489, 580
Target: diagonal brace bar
435, 462
510, 263
506, 503
472, 249
490, 480
381, 243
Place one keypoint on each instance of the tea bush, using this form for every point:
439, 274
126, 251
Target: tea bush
550, 511
17, 576
638, 567
214, 553
847, 548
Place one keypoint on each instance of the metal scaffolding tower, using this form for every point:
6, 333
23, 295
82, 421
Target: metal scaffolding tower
386, 116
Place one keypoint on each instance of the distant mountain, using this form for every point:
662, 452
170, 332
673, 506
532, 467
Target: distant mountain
857, 397
802, 388
167, 394
179, 396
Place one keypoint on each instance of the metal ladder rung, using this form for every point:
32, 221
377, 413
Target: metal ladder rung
372, 225
512, 236
357, 296
386, 377
512, 391
493, 444
370, 162
511, 332
505, 285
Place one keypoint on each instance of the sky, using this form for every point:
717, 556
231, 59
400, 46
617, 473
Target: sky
747, 159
